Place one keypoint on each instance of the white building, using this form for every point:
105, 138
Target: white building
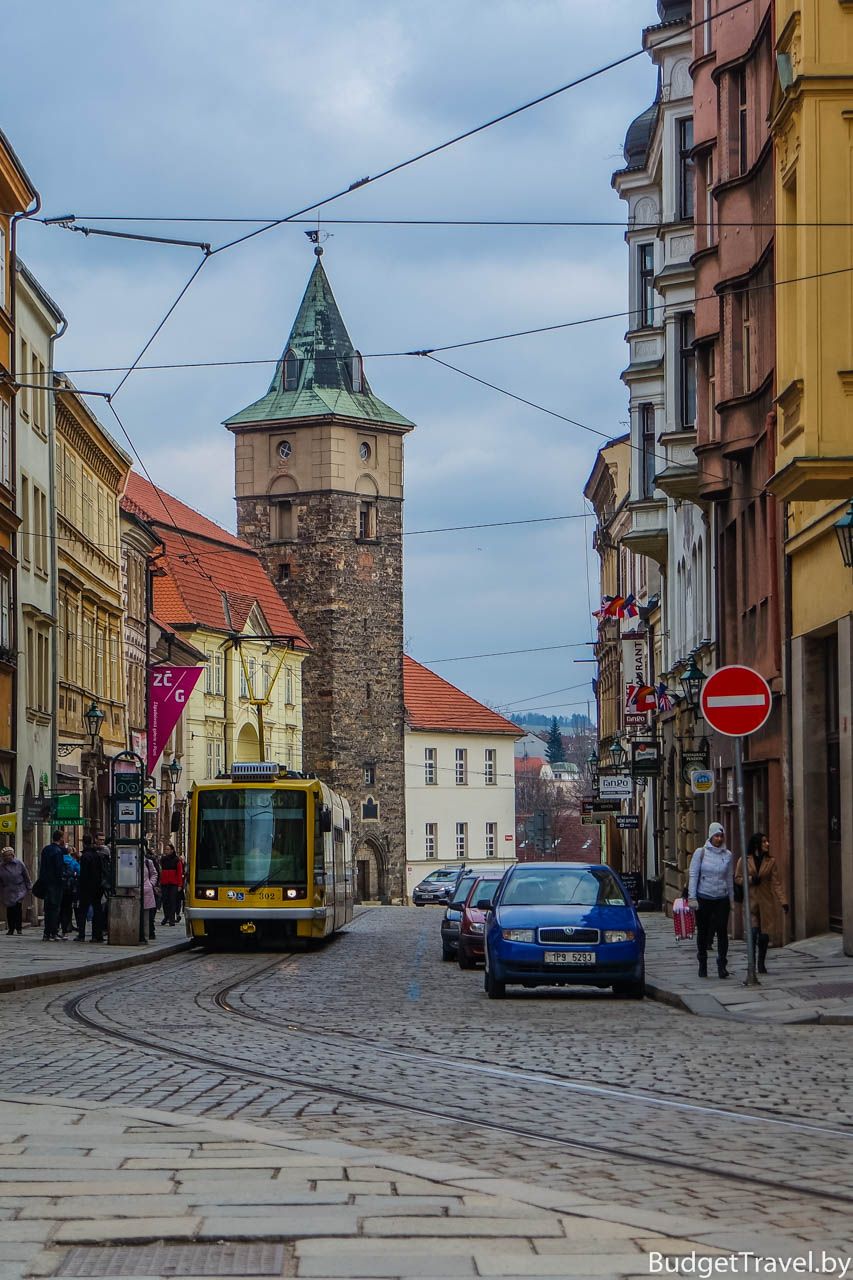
669, 525
39, 323
460, 778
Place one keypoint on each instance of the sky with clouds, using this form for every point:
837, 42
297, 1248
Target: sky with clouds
184, 108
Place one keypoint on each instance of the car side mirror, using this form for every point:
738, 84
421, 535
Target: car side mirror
487, 906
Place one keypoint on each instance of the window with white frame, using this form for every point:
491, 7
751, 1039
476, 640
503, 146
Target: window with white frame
40, 531
686, 169
208, 676
645, 285
490, 767
491, 839
25, 537
288, 686
25, 394
647, 451
430, 766
461, 839
5, 443
687, 370
431, 839
213, 761
5, 610
461, 767
218, 672
369, 775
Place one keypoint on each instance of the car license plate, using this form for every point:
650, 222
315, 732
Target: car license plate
570, 957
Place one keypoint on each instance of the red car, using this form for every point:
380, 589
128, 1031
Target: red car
472, 926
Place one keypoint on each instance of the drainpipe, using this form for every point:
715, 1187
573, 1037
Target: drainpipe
13, 476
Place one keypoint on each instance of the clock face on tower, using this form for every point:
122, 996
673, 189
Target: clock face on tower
285, 449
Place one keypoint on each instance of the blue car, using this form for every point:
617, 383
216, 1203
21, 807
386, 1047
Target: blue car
563, 924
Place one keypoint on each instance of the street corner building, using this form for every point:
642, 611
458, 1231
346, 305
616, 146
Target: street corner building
211, 596
460, 778
319, 483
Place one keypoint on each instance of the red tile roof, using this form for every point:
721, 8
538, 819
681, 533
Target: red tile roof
143, 499
195, 577
433, 703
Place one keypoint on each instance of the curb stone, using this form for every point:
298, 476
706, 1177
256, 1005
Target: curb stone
53, 977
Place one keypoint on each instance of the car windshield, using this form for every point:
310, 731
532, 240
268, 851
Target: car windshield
483, 894
462, 890
566, 887
252, 834
441, 877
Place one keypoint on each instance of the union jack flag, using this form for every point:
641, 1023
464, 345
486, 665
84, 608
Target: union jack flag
665, 700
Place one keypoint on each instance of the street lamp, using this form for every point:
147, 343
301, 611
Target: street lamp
94, 718
844, 533
691, 682
175, 771
618, 753
592, 760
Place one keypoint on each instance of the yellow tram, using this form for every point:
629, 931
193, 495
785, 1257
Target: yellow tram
270, 857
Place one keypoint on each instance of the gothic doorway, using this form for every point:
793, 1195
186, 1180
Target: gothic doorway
369, 873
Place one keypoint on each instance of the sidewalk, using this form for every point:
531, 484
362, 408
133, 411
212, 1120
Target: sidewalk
29, 962
91, 1189
810, 981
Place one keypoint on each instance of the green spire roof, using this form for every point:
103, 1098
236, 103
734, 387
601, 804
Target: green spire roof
321, 366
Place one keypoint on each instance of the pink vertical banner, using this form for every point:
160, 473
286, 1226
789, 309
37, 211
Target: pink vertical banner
168, 690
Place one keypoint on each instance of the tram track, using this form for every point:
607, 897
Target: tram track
221, 997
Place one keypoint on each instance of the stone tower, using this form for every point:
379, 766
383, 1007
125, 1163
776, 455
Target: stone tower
319, 484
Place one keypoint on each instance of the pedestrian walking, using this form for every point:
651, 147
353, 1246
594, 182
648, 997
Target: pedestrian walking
171, 883
711, 894
51, 884
150, 888
15, 884
765, 890
91, 890
70, 876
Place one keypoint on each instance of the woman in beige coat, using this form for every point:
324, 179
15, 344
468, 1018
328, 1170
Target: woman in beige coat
765, 890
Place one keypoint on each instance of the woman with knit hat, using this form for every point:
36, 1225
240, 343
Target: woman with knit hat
711, 891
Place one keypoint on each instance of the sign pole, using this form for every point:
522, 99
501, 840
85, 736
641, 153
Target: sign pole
751, 978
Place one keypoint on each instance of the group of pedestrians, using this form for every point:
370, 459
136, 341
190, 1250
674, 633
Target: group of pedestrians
715, 884
75, 888
163, 885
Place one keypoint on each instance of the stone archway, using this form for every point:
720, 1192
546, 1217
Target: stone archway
371, 872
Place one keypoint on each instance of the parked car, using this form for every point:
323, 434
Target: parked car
469, 948
563, 924
453, 914
438, 886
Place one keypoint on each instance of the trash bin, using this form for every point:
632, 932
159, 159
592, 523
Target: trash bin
654, 892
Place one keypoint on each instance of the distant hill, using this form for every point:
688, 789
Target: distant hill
568, 724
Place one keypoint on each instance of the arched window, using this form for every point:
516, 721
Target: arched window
356, 369
290, 377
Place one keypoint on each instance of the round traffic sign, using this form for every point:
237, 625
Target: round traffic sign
736, 701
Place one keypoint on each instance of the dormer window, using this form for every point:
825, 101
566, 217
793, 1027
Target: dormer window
290, 376
356, 369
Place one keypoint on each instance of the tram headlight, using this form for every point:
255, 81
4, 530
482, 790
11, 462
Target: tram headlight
211, 893
291, 893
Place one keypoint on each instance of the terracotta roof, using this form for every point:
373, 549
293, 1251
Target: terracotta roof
195, 576
433, 703
143, 499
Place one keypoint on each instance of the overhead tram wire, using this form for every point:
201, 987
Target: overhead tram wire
523, 223
506, 653
450, 346
562, 417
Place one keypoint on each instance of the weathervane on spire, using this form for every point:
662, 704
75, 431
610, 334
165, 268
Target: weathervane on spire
317, 237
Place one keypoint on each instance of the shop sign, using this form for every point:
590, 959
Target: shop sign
695, 758
702, 782
628, 822
645, 758
615, 786
65, 809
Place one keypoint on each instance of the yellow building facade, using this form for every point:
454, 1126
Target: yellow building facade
812, 115
91, 470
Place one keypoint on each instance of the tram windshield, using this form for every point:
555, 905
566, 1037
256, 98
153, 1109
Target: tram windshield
251, 837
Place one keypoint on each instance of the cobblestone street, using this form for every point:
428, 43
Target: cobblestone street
734, 1131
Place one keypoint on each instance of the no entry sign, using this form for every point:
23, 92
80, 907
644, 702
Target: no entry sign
736, 701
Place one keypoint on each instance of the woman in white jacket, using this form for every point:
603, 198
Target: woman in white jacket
711, 891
